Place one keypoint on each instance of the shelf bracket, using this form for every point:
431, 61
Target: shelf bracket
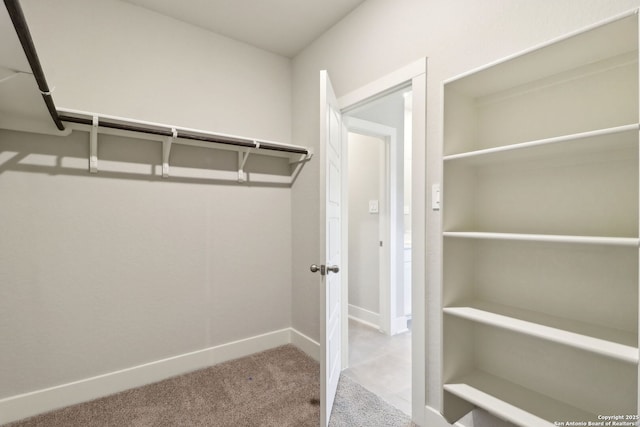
166, 152
303, 158
242, 160
93, 146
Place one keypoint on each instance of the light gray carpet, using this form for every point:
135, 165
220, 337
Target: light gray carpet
355, 406
278, 387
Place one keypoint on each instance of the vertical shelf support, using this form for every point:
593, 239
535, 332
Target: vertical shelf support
242, 160
166, 152
93, 146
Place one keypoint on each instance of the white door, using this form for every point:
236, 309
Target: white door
331, 133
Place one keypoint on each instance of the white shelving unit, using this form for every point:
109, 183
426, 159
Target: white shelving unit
540, 232
26, 104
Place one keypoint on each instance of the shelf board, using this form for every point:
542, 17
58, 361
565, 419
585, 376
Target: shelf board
512, 402
591, 240
601, 140
608, 342
587, 46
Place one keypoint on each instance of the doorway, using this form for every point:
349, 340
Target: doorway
334, 295
378, 195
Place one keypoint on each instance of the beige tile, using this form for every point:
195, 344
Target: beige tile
381, 364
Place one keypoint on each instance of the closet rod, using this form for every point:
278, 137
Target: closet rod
217, 139
24, 35
22, 30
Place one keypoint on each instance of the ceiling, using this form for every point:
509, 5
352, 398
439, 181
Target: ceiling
284, 27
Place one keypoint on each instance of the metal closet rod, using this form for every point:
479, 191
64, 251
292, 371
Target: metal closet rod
24, 35
217, 139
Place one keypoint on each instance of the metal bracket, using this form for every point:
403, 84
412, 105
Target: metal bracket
242, 160
166, 152
303, 158
93, 146
308, 156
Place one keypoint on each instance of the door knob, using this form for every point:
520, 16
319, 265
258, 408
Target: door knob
324, 269
315, 268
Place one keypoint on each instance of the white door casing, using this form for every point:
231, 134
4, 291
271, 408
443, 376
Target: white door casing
331, 135
422, 412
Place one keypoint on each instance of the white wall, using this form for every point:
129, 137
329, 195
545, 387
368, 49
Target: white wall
116, 58
365, 155
108, 271
379, 37
389, 111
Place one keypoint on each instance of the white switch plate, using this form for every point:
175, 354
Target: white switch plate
373, 206
435, 197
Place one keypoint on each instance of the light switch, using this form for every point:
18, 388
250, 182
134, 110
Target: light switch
435, 197
373, 206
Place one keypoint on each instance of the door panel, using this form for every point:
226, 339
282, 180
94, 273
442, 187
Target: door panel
331, 194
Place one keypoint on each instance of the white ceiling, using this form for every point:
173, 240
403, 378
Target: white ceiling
281, 26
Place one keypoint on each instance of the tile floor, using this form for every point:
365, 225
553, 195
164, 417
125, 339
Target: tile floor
381, 363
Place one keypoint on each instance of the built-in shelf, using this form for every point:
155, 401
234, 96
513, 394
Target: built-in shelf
608, 342
26, 104
540, 219
598, 141
512, 402
585, 240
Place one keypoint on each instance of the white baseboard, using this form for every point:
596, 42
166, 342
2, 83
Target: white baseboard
400, 325
433, 418
365, 316
476, 418
306, 344
33, 403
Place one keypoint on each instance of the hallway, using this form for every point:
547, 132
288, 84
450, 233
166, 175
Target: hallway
380, 363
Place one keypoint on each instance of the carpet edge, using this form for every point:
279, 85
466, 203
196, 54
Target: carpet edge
36, 402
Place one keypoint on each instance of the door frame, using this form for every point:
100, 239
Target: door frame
415, 75
388, 255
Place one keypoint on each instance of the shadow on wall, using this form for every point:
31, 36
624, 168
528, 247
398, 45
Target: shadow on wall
137, 159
